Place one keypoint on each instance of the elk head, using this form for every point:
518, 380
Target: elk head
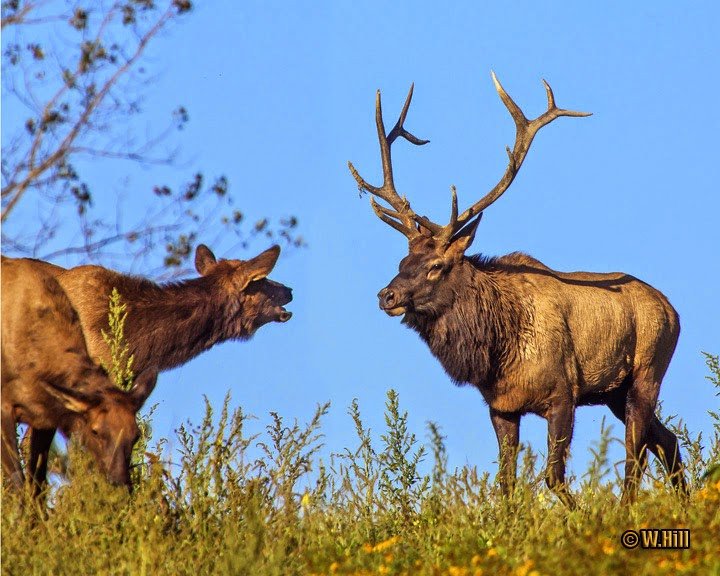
436, 252
263, 300
105, 420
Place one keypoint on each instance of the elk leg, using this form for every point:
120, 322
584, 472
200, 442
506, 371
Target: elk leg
661, 442
10, 457
664, 444
560, 428
40, 442
639, 413
507, 429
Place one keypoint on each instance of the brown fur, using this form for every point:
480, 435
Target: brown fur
49, 381
169, 324
534, 340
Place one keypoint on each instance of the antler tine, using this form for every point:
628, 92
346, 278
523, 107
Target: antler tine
399, 129
402, 217
525, 131
445, 233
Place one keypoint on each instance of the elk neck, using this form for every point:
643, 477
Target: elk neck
169, 324
473, 337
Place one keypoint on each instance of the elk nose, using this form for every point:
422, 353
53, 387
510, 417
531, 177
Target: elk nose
387, 298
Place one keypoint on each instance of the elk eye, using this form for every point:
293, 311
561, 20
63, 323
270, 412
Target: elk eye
436, 266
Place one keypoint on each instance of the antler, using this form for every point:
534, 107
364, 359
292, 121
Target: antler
402, 217
525, 131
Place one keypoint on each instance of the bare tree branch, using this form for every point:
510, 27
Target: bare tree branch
84, 101
18, 188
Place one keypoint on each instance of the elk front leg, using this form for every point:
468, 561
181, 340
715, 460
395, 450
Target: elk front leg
560, 428
12, 470
37, 462
507, 429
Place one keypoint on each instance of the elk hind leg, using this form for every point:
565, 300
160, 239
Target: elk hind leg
664, 444
560, 428
661, 442
640, 405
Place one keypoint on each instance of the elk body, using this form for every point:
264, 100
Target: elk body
49, 381
530, 339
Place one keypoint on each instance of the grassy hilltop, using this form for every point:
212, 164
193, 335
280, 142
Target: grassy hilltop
366, 511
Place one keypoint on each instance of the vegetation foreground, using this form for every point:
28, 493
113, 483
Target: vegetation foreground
367, 511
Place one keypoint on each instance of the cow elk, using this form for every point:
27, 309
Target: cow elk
169, 324
49, 381
530, 339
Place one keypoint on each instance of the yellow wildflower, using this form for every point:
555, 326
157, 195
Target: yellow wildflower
382, 545
607, 547
525, 568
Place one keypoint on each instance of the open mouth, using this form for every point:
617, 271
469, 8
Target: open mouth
282, 315
397, 311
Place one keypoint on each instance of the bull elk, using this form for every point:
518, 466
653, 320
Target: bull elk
530, 339
49, 381
169, 324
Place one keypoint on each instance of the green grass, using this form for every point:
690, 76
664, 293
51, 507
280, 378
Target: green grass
369, 510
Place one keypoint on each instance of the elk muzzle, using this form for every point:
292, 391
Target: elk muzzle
388, 302
276, 297
284, 297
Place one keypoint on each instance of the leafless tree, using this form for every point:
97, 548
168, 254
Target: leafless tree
74, 76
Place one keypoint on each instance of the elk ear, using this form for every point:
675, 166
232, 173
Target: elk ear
204, 259
260, 266
143, 387
424, 231
463, 239
75, 404
72, 402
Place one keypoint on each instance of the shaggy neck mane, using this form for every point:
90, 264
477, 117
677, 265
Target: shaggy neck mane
177, 321
477, 332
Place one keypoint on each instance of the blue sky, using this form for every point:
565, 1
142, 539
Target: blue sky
281, 96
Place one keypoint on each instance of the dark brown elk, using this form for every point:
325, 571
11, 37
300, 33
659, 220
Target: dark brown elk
169, 324
49, 381
531, 339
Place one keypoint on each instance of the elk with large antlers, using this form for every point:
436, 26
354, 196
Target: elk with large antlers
531, 339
